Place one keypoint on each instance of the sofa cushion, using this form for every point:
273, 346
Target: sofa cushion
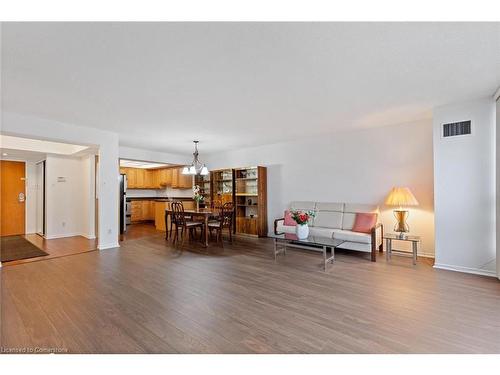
321, 232
289, 219
364, 222
350, 236
328, 219
357, 246
350, 211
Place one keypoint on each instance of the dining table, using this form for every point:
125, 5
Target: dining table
204, 213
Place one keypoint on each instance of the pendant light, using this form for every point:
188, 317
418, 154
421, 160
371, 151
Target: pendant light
196, 167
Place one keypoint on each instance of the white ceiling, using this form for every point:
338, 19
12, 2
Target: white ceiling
28, 144
162, 85
12, 154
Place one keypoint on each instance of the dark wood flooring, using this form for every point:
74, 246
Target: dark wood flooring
140, 230
57, 247
149, 297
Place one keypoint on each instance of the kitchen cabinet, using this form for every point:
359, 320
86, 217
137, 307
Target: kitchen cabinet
131, 177
175, 178
142, 210
165, 177
185, 181
136, 214
138, 178
159, 208
156, 178
148, 179
181, 181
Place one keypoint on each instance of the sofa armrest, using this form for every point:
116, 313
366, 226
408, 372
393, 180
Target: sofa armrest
276, 225
377, 233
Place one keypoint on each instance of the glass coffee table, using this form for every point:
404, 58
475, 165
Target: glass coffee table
284, 241
389, 237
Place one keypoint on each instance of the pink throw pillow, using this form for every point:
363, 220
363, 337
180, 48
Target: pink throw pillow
288, 219
364, 222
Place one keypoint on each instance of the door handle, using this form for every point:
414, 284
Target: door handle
21, 197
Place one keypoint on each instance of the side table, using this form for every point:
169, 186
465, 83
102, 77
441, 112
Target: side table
389, 237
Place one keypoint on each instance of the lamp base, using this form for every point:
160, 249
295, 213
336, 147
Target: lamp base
401, 225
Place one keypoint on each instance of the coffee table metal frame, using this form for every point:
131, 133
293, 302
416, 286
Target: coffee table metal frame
389, 237
323, 244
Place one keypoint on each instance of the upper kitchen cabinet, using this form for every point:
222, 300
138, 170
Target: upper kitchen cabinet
139, 178
181, 181
164, 177
131, 177
149, 182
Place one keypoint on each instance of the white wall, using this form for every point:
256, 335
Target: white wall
497, 96
357, 167
69, 203
154, 156
464, 186
39, 198
107, 142
63, 198
31, 196
88, 196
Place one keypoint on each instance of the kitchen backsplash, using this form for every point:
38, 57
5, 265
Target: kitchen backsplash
168, 192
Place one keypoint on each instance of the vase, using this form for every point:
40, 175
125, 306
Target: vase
302, 231
197, 206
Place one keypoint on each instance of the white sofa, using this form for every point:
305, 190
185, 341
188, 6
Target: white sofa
335, 220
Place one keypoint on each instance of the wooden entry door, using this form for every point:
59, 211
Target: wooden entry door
12, 197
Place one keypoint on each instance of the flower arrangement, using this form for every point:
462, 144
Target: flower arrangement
197, 195
302, 217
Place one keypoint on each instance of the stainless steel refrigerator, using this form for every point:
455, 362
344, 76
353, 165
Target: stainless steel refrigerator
123, 203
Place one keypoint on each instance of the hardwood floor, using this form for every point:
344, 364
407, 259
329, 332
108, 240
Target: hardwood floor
140, 230
55, 248
149, 297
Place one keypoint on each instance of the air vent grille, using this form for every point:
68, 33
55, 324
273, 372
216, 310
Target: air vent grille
457, 128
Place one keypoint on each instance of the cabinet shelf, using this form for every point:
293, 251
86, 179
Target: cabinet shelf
241, 186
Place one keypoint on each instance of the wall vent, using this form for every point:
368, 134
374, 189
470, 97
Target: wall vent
456, 128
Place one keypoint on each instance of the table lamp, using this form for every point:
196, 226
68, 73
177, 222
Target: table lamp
401, 197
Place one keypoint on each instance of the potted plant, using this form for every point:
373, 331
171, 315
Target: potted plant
302, 219
197, 196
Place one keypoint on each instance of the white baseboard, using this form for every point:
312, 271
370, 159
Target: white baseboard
475, 271
425, 255
54, 236
108, 246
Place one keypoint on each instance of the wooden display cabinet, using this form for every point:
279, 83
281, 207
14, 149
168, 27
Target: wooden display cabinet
205, 184
222, 187
250, 196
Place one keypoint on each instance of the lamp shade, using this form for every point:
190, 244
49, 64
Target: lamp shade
401, 196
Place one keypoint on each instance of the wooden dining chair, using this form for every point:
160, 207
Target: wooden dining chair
180, 221
225, 220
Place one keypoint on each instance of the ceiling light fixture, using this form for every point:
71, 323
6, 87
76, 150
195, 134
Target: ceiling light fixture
196, 166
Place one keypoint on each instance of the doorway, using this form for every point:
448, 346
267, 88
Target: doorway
12, 198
